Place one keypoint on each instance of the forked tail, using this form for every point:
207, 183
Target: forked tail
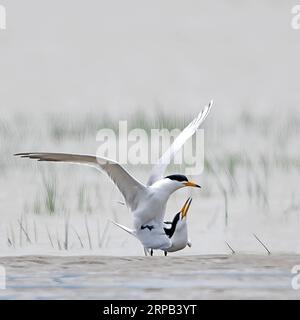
130, 231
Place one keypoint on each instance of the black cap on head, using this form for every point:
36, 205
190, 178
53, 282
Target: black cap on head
177, 177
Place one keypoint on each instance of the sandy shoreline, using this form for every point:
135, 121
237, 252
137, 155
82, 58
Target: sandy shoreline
184, 277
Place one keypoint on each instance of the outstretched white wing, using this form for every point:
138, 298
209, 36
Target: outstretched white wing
126, 183
158, 170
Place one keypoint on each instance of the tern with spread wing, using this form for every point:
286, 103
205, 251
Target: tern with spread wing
147, 202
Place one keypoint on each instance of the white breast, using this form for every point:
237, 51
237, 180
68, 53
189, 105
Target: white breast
179, 239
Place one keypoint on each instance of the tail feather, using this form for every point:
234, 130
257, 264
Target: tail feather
130, 231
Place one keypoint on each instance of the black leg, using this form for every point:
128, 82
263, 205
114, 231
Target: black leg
151, 252
166, 253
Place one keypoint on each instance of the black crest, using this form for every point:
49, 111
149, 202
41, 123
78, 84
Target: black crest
177, 177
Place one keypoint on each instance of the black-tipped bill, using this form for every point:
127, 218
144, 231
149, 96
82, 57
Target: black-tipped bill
191, 184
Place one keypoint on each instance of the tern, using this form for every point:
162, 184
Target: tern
147, 202
176, 230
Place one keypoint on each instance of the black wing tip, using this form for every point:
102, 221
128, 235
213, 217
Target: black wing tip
29, 155
22, 155
36, 156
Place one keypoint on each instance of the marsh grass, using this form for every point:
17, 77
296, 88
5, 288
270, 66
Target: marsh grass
37, 205
247, 170
66, 242
50, 194
55, 238
221, 188
9, 242
49, 236
35, 232
88, 231
225, 167
230, 248
23, 229
78, 237
20, 231
292, 208
264, 246
61, 127
12, 233
59, 246
84, 203
103, 237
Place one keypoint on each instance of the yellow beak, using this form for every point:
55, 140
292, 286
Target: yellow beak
191, 184
186, 207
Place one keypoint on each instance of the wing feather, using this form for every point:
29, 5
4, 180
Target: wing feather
126, 183
159, 169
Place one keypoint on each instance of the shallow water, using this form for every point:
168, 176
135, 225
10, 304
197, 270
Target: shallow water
184, 277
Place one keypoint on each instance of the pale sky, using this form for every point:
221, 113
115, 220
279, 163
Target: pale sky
121, 55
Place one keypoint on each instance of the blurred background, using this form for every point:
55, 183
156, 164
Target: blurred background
81, 55
68, 69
